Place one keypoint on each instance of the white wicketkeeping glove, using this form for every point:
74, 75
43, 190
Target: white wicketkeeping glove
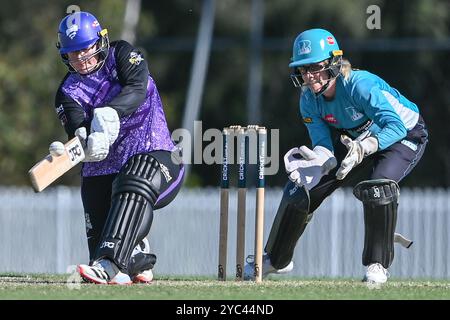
106, 120
96, 145
310, 167
357, 150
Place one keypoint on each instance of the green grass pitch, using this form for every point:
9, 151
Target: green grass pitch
68, 287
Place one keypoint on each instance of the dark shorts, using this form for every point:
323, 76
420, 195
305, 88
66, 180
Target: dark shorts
395, 163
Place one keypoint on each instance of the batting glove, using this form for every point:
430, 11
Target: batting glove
96, 145
106, 120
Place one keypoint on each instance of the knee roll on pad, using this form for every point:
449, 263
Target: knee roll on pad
134, 192
380, 201
140, 175
290, 222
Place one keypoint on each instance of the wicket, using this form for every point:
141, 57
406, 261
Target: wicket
243, 134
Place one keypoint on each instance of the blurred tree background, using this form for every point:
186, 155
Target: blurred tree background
411, 51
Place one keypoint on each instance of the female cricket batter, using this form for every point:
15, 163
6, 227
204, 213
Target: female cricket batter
109, 100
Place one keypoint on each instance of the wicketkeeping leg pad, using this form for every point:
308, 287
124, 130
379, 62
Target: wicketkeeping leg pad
380, 201
290, 222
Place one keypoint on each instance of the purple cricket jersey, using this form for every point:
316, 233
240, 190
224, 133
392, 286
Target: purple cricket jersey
142, 131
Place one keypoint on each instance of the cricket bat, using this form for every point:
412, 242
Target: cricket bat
51, 167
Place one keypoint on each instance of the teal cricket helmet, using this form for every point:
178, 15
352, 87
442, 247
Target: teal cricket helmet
313, 46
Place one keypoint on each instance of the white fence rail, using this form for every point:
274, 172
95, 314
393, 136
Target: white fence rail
45, 233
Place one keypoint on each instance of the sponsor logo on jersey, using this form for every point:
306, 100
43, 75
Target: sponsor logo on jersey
307, 120
363, 127
330, 118
60, 112
354, 114
135, 58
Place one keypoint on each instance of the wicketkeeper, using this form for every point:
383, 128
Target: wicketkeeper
109, 100
383, 137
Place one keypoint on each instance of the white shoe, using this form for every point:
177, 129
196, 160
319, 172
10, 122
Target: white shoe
249, 268
145, 277
121, 279
376, 273
97, 274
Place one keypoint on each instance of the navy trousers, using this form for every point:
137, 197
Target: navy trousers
395, 163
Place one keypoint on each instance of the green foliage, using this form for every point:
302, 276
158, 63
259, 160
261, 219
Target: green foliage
30, 69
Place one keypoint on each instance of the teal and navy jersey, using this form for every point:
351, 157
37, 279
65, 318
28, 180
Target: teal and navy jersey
362, 102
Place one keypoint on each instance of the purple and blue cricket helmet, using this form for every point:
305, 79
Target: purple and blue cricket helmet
80, 30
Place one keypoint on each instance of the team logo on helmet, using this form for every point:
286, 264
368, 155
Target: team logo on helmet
95, 24
304, 47
72, 31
